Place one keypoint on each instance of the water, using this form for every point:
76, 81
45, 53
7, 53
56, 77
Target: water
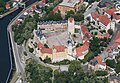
4, 46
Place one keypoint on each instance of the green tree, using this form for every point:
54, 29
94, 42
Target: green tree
37, 73
69, 14
110, 31
47, 60
31, 50
101, 73
75, 66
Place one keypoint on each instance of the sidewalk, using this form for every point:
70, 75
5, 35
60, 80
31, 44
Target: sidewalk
14, 79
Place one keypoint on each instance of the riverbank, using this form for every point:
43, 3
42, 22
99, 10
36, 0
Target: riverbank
19, 65
9, 12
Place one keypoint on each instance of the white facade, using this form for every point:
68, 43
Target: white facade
71, 26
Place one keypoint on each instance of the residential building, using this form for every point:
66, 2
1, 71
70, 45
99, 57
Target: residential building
103, 22
81, 51
97, 64
117, 39
105, 4
68, 5
114, 79
113, 14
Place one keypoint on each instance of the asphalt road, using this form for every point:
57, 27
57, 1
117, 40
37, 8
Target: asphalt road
90, 9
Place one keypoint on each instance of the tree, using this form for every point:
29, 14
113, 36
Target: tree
47, 60
101, 73
46, 46
31, 50
37, 73
117, 68
110, 31
75, 66
79, 17
69, 14
111, 63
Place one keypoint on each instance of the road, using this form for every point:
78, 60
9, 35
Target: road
18, 62
90, 9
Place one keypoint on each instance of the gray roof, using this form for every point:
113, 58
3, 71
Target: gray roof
105, 3
115, 77
69, 3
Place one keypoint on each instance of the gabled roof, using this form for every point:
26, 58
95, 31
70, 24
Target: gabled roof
81, 49
84, 29
104, 20
59, 48
117, 39
110, 11
113, 12
46, 50
40, 45
116, 16
99, 59
100, 36
56, 9
94, 15
7, 6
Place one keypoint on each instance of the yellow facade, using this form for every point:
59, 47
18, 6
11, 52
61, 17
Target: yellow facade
55, 56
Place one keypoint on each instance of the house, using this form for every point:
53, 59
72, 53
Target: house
81, 51
113, 14
94, 16
102, 21
39, 11
117, 39
68, 5
105, 4
8, 6
97, 63
85, 33
114, 79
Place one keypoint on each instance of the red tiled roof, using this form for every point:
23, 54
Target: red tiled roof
71, 19
56, 9
81, 49
40, 45
117, 39
46, 50
107, 35
116, 16
110, 11
84, 29
33, 7
103, 63
99, 36
7, 6
99, 59
59, 48
104, 20
94, 15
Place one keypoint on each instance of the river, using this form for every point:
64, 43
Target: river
5, 63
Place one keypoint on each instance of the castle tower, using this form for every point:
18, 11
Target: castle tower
71, 25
